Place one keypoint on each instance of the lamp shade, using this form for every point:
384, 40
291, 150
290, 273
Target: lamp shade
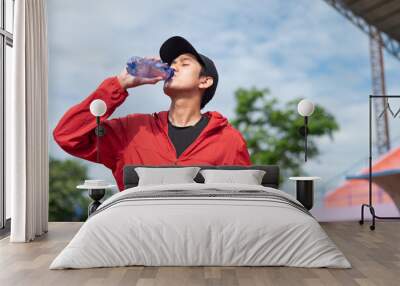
305, 107
98, 107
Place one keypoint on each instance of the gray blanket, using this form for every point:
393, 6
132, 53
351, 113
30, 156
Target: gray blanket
209, 193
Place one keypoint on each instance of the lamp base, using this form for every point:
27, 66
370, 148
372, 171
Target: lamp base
96, 195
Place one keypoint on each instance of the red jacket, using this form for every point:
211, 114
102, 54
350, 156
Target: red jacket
143, 138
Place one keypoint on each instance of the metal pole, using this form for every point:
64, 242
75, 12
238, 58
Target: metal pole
305, 137
97, 138
370, 151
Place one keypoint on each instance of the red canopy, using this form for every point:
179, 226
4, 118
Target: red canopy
385, 186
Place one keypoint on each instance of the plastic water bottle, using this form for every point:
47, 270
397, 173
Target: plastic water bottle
149, 68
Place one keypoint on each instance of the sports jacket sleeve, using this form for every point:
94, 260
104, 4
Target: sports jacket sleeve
242, 154
75, 132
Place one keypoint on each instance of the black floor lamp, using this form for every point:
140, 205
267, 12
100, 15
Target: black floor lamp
369, 205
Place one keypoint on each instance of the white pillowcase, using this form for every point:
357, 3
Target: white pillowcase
163, 176
249, 177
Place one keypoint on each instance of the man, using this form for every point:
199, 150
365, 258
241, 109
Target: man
180, 136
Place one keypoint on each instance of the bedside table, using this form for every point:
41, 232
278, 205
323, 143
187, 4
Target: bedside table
305, 190
97, 190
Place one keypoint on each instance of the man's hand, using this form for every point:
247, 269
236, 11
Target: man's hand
128, 81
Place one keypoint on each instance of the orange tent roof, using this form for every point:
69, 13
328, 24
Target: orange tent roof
355, 190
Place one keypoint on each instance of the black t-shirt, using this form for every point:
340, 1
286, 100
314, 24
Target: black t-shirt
182, 137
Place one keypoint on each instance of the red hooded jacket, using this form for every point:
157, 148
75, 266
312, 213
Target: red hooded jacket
142, 139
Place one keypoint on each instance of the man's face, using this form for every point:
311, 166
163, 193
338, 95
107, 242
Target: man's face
186, 76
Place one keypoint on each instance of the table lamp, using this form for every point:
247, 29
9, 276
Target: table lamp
98, 108
305, 108
96, 188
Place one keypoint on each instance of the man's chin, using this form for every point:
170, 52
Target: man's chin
167, 92
169, 88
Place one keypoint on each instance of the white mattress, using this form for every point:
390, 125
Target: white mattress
203, 231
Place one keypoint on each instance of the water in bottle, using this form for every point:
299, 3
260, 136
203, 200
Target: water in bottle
149, 68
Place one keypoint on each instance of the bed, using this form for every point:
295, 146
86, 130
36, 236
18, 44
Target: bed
201, 223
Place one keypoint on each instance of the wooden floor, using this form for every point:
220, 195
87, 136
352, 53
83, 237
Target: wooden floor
374, 255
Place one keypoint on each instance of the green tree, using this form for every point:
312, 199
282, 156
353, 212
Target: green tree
272, 130
66, 202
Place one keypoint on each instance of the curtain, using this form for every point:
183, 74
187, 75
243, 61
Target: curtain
27, 158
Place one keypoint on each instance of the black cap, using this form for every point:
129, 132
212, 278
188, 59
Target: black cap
176, 46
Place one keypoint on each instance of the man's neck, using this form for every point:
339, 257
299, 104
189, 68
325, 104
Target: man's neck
183, 116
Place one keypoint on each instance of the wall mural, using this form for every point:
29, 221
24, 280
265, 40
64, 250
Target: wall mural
210, 91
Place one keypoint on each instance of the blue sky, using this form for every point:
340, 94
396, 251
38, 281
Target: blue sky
300, 48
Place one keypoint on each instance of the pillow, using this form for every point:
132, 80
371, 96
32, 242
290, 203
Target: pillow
162, 176
250, 177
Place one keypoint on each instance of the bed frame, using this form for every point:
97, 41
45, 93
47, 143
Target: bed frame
270, 179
